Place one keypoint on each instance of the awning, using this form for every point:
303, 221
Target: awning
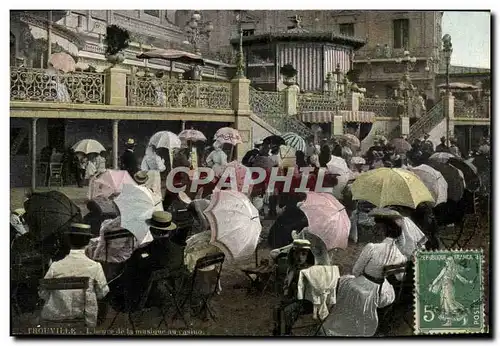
316, 117
358, 116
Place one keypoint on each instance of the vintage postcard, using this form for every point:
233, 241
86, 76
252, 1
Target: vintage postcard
250, 172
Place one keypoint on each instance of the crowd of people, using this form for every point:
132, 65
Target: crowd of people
79, 246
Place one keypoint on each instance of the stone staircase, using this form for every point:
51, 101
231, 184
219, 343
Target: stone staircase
425, 124
270, 107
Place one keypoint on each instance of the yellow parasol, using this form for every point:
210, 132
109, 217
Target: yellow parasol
390, 186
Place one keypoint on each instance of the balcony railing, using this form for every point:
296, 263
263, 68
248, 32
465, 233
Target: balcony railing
267, 102
382, 52
464, 109
317, 102
50, 86
158, 92
381, 107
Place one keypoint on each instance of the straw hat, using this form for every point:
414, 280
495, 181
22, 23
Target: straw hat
260, 142
385, 213
301, 244
162, 220
80, 229
19, 211
130, 141
141, 177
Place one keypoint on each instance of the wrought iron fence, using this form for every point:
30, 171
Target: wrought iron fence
427, 122
267, 102
464, 109
381, 107
159, 92
28, 84
317, 102
288, 124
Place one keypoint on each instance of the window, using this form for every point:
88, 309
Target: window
248, 32
347, 29
401, 33
154, 13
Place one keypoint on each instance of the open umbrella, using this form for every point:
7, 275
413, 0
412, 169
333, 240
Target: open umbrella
50, 212
327, 219
390, 186
401, 146
228, 135
62, 62
234, 222
295, 141
454, 178
165, 139
88, 146
172, 55
441, 157
350, 140
108, 183
434, 181
274, 140
472, 181
136, 205
192, 135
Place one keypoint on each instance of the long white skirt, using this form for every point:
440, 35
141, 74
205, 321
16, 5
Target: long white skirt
355, 313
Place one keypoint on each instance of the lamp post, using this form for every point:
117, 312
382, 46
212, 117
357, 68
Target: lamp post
197, 29
447, 50
240, 59
405, 85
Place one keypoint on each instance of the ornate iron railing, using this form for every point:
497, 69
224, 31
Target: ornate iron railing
381, 107
288, 124
159, 92
50, 86
267, 102
467, 110
433, 117
317, 102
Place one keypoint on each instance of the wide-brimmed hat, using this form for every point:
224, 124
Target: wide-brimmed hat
141, 177
385, 213
161, 220
260, 142
80, 229
130, 141
19, 211
356, 160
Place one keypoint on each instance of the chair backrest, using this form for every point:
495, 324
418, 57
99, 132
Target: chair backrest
117, 234
209, 260
56, 168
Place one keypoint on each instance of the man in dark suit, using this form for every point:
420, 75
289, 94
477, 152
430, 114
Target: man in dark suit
129, 160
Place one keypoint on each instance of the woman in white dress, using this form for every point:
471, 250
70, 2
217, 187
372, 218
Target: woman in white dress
361, 294
217, 159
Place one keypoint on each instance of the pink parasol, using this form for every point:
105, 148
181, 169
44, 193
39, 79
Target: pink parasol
239, 172
228, 135
327, 218
62, 62
192, 135
234, 223
108, 183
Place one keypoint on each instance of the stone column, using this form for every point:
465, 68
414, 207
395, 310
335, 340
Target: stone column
183, 125
116, 86
33, 153
404, 123
241, 107
291, 100
449, 113
115, 143
337, 125
353, 98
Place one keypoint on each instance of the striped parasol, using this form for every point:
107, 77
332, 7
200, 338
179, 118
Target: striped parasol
295, 141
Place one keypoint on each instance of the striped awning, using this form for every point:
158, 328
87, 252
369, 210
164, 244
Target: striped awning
317, 117
358, 116
328, 116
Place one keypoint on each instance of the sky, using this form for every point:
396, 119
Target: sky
470, 37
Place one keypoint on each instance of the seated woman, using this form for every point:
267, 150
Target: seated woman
291, 219
360, 295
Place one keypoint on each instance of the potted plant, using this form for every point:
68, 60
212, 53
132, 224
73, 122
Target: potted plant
116, 40
290, 74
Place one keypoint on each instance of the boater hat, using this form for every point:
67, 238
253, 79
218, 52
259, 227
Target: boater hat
80, 229
162, 220
301, 244
385, 213
141, 177
130, 141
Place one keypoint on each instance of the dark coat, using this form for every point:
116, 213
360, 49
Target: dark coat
129, 162
280, 233
249, 157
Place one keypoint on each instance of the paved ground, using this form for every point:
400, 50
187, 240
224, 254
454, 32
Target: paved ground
240, 313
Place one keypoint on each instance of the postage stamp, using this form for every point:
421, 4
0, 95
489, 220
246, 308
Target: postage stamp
449, 289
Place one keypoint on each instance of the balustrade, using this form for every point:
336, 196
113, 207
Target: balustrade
469, 110
51, 86
317, 102
381, 107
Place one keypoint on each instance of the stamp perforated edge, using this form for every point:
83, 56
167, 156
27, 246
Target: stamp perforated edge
444, 331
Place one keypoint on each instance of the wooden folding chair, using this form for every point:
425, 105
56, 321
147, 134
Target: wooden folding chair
261, 276
216, 259
68, 283
118, 234
55, 174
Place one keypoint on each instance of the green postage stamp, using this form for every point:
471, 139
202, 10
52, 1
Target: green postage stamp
449, 292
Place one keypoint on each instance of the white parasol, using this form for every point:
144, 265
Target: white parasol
165, 139
136, 205
88, 146
234, 223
